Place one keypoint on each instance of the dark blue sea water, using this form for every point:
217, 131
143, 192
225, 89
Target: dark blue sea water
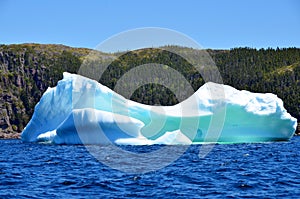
266, 170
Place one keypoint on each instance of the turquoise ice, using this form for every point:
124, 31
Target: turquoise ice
82, 111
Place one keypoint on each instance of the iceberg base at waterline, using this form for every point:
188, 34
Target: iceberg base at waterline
82, 111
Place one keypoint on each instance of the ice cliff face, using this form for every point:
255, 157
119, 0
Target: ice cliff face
82, 111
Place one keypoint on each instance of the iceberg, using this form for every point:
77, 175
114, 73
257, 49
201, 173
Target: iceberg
80, 110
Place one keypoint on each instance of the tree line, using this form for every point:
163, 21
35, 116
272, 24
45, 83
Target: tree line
27, 70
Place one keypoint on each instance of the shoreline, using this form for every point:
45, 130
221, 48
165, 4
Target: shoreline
11, 135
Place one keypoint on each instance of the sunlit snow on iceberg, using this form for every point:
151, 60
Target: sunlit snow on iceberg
82, 111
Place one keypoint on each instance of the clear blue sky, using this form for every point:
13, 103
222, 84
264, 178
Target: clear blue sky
216, 24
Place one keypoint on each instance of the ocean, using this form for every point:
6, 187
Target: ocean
262, 170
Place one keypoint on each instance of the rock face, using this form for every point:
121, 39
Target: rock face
26, 71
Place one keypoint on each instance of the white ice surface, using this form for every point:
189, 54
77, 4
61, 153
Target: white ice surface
82, 111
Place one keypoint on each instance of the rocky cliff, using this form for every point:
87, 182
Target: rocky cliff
26, 71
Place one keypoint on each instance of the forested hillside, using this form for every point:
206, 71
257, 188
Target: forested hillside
27, 70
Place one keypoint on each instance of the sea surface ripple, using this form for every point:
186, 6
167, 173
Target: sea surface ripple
264, 170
